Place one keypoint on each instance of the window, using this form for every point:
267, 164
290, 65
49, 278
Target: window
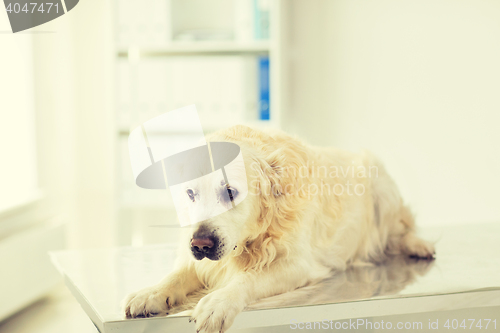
18, 173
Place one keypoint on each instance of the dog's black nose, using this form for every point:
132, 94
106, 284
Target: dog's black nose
203, 245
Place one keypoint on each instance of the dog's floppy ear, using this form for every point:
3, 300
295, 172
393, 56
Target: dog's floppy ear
281, 169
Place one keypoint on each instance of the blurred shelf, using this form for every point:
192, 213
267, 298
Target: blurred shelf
197, 48
150, 59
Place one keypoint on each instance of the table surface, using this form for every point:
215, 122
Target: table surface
466, 273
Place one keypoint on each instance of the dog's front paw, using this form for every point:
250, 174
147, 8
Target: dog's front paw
216, 311
150, 302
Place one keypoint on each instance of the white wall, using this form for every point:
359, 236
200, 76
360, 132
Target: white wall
416, 82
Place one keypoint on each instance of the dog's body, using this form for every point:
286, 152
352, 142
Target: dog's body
308, 210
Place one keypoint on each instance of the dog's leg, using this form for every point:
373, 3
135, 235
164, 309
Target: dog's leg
158, 299
394, 220
404, 239
217, 311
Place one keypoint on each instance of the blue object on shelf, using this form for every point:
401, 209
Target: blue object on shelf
263, 88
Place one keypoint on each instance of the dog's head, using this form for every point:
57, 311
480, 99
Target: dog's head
256, 221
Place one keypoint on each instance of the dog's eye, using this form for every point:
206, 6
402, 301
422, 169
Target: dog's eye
190, 194
232, 192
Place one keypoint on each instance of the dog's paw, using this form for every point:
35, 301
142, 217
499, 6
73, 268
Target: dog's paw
150, 301
416, 247
216, 312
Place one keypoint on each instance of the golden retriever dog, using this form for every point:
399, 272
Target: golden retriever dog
308, 211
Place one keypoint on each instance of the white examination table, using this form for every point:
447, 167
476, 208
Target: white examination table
465, 275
